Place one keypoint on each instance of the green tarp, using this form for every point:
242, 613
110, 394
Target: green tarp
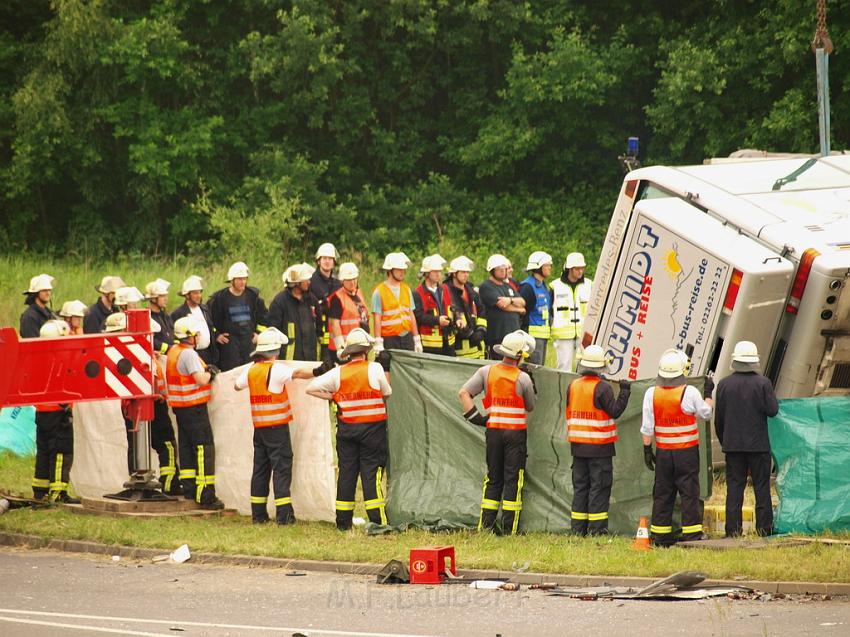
437, 464
810, 440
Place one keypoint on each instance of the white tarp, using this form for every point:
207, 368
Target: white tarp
100, 448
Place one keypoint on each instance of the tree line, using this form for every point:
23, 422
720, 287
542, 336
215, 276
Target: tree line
198, 127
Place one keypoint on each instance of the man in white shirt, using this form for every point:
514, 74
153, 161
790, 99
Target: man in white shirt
670, 412
359, 389
192, 291
271, 413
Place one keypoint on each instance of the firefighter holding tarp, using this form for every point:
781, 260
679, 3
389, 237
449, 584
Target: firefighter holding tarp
508, 398
271, 413
592, 432
359, 389
670, 412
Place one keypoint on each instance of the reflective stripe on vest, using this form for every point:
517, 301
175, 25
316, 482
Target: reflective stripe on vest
159, 377
351, 315
267, 408
568, 310
358, 401
505, 407
395, 312
183, 391
674, 429
586, 423
432, 335
538, 318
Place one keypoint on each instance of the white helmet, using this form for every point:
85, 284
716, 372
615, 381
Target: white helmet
39, 283
432, 263
238, 271
156, 288
348, 271
110, 284
745, 352
185, 327
126, 295
73, 308
269, 340
192, 284
54, 329
537, 260
497, 261
327, 250
117, 322
357, 341
673, 363
574, 260
515, 345
396, 261
297, 273
593, 357
461, 264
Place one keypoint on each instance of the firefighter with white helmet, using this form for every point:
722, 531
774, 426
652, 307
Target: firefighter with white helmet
359, 389
509, 396
74, 312
670, 412
294, 311
54, 438
469, 322
590, 415
323, 284
745, 400
538, 302
192, 292
156, 292
189, 391
103, 307
38, 312
271, 413
127, 298
392, 311
503, 307
571, 294
238, 312
433, 308
346, 309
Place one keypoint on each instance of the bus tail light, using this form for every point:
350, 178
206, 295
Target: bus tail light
800, 280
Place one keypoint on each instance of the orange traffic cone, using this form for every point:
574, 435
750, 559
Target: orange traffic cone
642, 542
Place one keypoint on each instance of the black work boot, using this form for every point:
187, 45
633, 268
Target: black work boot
285, 515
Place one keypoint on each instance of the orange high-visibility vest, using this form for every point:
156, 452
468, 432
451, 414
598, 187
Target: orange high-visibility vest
267, 408
505, 407
674, 429
395, 312
183, 391
586, 423
351, 316
358, 401
160, 386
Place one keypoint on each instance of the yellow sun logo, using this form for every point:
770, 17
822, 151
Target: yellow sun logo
672, 265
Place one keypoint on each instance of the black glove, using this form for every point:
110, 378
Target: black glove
476, 417
477, 336
383, 359
625, 384
649, 457
324, 367
708, 389
527, 369
213, 371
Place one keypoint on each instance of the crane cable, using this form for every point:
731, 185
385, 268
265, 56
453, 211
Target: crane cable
821, 39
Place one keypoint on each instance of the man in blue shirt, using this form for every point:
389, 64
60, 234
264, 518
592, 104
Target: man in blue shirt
538, 303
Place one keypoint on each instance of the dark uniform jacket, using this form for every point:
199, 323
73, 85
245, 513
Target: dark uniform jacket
210, 354
744, 401
164, 339
297, 319
33, 318
95, 317
603, 398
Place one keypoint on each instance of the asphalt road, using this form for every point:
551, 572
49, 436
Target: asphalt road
44, 593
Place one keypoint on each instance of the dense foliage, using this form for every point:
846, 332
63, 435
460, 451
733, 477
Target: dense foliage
169, 126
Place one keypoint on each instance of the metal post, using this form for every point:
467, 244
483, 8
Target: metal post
822, 62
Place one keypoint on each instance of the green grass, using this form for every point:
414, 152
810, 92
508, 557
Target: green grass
543, 552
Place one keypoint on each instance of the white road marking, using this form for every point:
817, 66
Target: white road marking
144, 620
97, 629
